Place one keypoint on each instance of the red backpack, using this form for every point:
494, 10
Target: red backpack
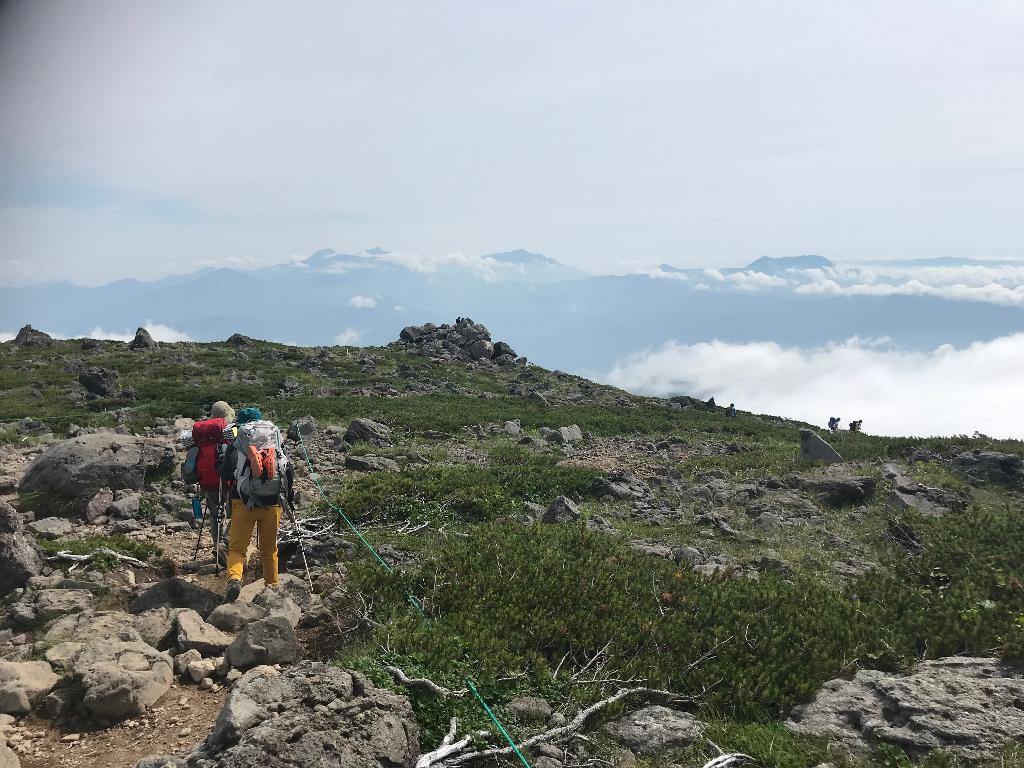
209, 437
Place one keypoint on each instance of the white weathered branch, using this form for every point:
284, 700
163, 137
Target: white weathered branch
422, 683
64, 555
448, 747
577, 724
727, 760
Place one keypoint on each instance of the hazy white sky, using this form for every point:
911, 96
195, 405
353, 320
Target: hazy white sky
140, 138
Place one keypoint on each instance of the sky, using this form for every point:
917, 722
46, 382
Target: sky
142, 139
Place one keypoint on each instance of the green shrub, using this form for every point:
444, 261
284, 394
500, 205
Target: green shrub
465, 493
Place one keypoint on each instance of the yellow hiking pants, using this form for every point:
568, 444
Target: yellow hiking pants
243, 520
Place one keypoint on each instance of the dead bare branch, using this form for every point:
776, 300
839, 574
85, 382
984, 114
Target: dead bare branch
421, 683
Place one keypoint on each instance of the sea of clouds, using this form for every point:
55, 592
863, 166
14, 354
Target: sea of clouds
946, 391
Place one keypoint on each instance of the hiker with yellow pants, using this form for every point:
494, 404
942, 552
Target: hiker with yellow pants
262, 475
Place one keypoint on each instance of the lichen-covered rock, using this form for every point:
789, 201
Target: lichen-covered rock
964, 704
368, 431
310, 714
78, 468
121, 680
651, 730
175, 592
267, 641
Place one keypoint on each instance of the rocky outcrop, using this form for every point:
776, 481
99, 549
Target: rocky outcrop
371, 464
196, 634
839, 491
30, 337
142, 340
906, 494
465, 340
968, 705
368, 431
306, 427
99, 382
20, 559
655, 729
78, 468
990, 466
309, 714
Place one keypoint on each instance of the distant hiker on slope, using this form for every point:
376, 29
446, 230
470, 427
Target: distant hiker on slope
262, 474
833, 424
731, 410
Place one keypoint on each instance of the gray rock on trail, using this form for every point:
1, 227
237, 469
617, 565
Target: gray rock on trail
158, 626
368, 431
77, 468
175, 592
371, 464
968, 705
196, 634
288, 584
39, 607
481, 350
20, 559
142, 340
651, 730
80, 627
51, 527
306, 427
24, 683
125, 508
232, 617
991, 466
513, 428
98, 504
814, 448
310, 714
268, 641
561, 510
8, 757
160, 761
120, 679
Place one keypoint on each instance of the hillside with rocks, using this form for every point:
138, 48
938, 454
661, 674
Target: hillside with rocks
625, 581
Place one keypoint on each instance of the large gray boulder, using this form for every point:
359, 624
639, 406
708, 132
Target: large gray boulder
368, 431
814, 448
651, 730
101, 382
268, 641
971, 706
24, 683
311, 714
175, 592
20, 558
78, 468
121, 679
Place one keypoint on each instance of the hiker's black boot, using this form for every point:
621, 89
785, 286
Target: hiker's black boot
234, 588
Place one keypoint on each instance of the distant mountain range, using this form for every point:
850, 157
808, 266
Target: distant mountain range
551, 312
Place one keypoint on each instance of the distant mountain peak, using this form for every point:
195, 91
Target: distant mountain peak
520, 256
375, 251
770, 266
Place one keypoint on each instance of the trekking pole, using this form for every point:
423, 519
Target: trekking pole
286, 503
202, 522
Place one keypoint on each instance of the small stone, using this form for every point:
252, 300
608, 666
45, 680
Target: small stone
71, 737
186, 731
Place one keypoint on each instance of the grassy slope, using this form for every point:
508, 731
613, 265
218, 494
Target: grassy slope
509, 602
